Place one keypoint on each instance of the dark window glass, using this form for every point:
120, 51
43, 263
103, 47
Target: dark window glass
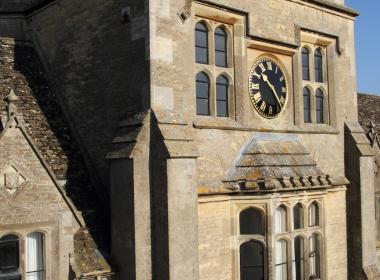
305, 64
251, 222
299, 259
318, 66
202, 94
306, 105
313, 215
314, 257
298, 216
252, 261
319, 106
220, 47
201, 43
9, 257
222, 96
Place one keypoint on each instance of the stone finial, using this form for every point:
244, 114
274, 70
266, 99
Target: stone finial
11, 107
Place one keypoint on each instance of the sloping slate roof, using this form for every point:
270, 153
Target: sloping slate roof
21, 70
369, 111
275, 162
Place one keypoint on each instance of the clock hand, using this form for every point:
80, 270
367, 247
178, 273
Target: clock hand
265, 78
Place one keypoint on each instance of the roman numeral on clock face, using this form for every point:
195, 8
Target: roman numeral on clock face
261, 65
263, 106
269, 64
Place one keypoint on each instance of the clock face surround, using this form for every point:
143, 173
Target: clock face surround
268, 88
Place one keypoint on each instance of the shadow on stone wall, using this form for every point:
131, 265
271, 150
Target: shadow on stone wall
21, 70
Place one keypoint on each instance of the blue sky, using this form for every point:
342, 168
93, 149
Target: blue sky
367, 44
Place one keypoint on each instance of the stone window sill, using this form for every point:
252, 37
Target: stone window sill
223, 123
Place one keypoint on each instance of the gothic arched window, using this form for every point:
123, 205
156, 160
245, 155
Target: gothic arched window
298, 258
251, 222
281, 260
222, 96
319, 98
35, 258
203, 94
313, 215
318, 66
306, 105
305, 64
298, 216
314, 257
252, 261
280, 219
10, 257
201, 43
220, 47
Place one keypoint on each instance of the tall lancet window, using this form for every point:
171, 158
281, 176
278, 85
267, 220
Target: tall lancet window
318, 66
201, 43
35, 261
305, 64
220, 47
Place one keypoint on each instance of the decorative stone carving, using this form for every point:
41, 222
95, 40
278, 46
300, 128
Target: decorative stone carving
372, 135
11, 179
11, 109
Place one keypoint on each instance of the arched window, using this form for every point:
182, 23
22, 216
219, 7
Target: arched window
305, 64
298, 216
318, 66
222, 96
319, 100
220, 47
251, 222
203, 94
281, 260
280, 220
35, 259
313, 215
314, 257
9, 257
306, 105
252, 261
201, 43
298, 259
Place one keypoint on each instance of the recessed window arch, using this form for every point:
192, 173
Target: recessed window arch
299, 258
305, 64
314, 214
314, 257
35, 256
251, 222
318, 66
306, 105
203, 94
222, 85
201, 43
10, 257
252, 261
221, 38
281, 259
298, 216
281, 219
319, 104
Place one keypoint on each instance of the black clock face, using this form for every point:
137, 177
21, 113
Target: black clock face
268, 88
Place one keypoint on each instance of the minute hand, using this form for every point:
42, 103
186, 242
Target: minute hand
265, 78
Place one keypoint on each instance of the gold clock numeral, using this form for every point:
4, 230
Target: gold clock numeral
284, 89
269, 64
263, 106
276, 70
255, 86
257, 97
282, 78
282, 101
257, 75
270, 110
262, 67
